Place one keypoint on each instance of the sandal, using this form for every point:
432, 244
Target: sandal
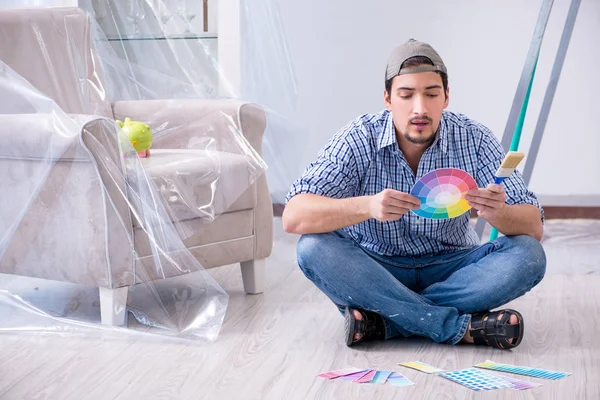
497, 332
370, 327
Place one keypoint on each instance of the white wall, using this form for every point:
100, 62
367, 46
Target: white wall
339, 49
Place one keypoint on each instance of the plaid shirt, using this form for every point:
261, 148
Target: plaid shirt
363, 159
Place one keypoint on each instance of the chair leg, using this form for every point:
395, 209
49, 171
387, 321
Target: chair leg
113, 306
253, 275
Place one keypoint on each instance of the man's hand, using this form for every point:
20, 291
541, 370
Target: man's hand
391, 205
488, 202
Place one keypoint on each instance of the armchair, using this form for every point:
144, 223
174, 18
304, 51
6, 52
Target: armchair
57, 67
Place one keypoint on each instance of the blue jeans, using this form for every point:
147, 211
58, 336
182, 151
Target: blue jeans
429, 296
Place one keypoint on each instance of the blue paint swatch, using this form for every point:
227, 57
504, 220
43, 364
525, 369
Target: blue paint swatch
381, 377
476, 379
397, 379
528, 371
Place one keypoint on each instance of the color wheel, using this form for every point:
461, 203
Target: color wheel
442, 193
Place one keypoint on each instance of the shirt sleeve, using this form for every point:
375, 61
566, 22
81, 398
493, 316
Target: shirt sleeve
490, 156
333, 174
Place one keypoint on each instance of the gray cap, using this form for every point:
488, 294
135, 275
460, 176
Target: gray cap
413, 48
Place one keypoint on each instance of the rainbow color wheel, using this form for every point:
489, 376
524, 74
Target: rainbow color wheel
442, 193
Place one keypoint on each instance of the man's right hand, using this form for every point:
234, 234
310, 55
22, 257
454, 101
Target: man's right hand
391, 205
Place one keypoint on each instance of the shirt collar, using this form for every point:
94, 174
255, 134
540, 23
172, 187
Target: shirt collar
388, 136
441, 138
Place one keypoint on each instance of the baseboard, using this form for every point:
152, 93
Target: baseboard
550, 212
557, 212
278, 209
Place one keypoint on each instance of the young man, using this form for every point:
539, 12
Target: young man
390, 272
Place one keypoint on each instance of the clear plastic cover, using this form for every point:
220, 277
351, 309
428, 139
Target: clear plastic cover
112, 201
170, 49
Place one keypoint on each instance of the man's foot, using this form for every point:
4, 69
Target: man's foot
468, 339
358, 317
362, 325
506, 332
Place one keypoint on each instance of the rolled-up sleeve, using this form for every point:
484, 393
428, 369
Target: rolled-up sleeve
333, 174
491, 155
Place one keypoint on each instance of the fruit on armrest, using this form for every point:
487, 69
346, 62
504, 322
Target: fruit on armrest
139, 134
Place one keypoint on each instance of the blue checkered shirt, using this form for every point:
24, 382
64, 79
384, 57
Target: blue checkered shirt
363, 159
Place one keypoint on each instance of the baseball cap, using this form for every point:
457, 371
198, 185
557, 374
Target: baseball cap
409, 49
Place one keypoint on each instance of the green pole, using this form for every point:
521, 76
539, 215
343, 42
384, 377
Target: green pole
514, 144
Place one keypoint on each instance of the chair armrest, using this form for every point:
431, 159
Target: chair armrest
40, 136
180, 123
68, 171
76, 138
48, 137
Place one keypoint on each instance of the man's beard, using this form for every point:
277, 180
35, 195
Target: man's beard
419, 139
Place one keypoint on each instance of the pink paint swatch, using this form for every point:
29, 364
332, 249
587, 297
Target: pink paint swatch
341, 372
355, 376
367, 377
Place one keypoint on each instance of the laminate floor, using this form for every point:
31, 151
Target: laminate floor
272, 346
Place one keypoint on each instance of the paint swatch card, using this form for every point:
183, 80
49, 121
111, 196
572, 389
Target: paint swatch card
367, 377
397, 379
381, 377
519, 384
355, 376
340, 372
535, 372
421, 366
476, 379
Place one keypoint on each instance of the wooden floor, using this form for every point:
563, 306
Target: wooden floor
272, 346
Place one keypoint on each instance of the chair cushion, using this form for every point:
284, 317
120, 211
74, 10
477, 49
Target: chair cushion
200, 183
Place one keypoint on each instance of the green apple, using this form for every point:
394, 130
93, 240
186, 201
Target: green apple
138, 133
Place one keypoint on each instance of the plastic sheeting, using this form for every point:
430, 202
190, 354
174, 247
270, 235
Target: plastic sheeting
271, 81
86, 224
151, 52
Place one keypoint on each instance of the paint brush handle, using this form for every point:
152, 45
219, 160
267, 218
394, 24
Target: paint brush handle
508, 165
502, 174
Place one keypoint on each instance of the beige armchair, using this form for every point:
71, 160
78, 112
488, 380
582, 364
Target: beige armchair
57, 66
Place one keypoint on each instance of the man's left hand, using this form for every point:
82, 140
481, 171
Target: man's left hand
488, 202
